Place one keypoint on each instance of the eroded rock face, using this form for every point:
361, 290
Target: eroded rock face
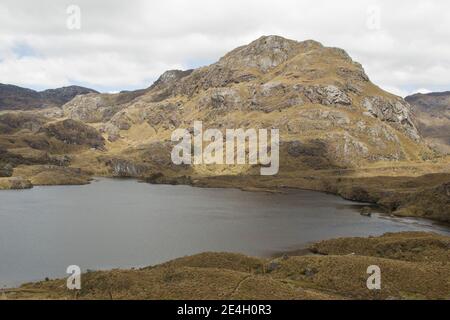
166, 115
263, 54
243, 65
121, 121
327, 95
334, 117
221, 99
170, 77
92, 108
394, 111
126, 168
349, 149
265, 97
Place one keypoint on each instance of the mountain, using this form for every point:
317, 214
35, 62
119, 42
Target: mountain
329, 113
432, 113
17, 98
339, 132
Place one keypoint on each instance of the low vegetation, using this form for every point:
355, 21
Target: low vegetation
413, 266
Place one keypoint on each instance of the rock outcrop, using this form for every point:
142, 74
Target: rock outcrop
396, 112
125, 168
93, 108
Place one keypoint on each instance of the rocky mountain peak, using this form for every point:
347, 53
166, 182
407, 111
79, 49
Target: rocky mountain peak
265, 53
170, 76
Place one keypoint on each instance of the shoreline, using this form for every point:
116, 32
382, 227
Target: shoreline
302, 249
308, 270
218, 183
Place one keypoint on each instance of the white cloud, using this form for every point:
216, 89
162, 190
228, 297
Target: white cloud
423, 91
124, 45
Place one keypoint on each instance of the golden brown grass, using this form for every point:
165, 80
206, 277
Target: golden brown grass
413, 266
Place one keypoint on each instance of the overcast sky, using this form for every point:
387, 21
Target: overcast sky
404, 45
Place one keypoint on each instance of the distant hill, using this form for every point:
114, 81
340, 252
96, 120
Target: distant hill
18, 98
432, 113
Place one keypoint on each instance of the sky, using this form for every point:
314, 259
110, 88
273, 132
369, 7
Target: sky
404, 45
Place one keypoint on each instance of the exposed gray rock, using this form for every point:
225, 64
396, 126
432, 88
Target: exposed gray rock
264, 53
93, 108
221, 99
170, 76
164, 114
349, 149
336, 118
121, 121
266, 97
126, 168
396, 112
272, 88
327, 95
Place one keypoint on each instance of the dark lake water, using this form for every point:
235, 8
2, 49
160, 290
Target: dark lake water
123, 223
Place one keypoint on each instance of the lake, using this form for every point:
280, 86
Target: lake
122, 223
